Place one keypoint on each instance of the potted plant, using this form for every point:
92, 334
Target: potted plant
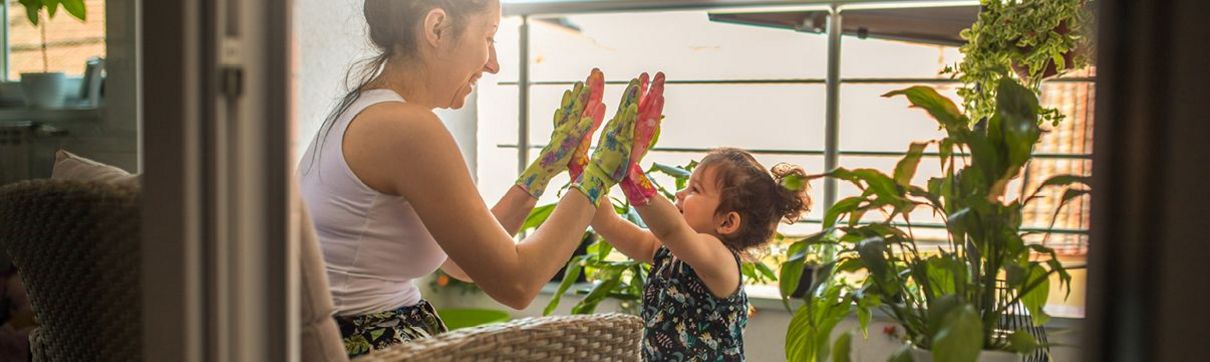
46, 89
951, 301
1030, 40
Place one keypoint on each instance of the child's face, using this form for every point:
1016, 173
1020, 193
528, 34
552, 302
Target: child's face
699, 200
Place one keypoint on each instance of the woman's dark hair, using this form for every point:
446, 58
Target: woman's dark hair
759, 196
393, 27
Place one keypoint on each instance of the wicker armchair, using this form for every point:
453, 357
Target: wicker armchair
77, 247
600, 337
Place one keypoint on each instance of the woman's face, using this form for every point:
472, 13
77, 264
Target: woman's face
463, 60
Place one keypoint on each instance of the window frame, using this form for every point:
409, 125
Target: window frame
4, 51
533, 9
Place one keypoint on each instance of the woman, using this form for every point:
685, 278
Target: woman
392, 200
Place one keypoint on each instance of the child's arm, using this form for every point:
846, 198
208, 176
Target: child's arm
625, 236
707, 255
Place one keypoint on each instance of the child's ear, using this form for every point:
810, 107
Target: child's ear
728, 223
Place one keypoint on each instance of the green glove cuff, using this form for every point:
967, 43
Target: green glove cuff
594, 183
534, 179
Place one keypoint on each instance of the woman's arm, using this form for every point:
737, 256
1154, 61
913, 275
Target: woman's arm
625, 236
513, 208
431, 177
511, 211
712, 261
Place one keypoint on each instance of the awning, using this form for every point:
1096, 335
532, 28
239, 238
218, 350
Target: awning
931, 25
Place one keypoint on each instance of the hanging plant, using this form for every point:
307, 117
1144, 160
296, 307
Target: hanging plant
1029, 40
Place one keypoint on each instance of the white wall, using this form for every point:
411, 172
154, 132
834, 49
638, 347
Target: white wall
331, 36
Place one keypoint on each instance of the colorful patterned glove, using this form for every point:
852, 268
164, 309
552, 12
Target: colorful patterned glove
595, 110
573, 121
611, 160
638, 188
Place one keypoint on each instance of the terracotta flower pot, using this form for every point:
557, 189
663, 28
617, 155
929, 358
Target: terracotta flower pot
1051, 69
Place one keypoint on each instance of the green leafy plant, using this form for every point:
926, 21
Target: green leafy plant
951, 299
613, 275
33, 11
1026, 39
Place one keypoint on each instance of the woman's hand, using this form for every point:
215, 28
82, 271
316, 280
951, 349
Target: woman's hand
638, 188
596, 110
579, 114
611, 160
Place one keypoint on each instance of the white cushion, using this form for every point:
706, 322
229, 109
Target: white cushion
69, 166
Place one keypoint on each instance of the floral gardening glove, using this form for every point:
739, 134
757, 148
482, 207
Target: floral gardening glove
578, 115
638, 188
611, 160
595, 110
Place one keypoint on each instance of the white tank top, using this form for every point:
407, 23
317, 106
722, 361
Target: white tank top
374, 244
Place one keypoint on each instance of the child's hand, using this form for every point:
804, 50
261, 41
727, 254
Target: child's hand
638, 189
611, 160
578, 115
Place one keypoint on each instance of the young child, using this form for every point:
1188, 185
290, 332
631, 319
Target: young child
694, 304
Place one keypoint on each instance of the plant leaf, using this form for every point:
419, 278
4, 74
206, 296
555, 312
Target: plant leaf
633, 217
845, 205
75, 8
601, 249
537, 216
32, 7
791, 273
985, 156
1059, 180
794, 182
765, 271
52, 7
936, 312
906, 168
1055, 266
941, 108
610, 281
881, 184
865, 303
1035, 298
1017, 109
1022, 342
841, 349
1015, 275
945, 150
820, 276
798, 336
960, 338
1064, 180
944, 274
873, 254
674, 171
574, 268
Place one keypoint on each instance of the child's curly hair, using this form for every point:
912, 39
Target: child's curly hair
760, 197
